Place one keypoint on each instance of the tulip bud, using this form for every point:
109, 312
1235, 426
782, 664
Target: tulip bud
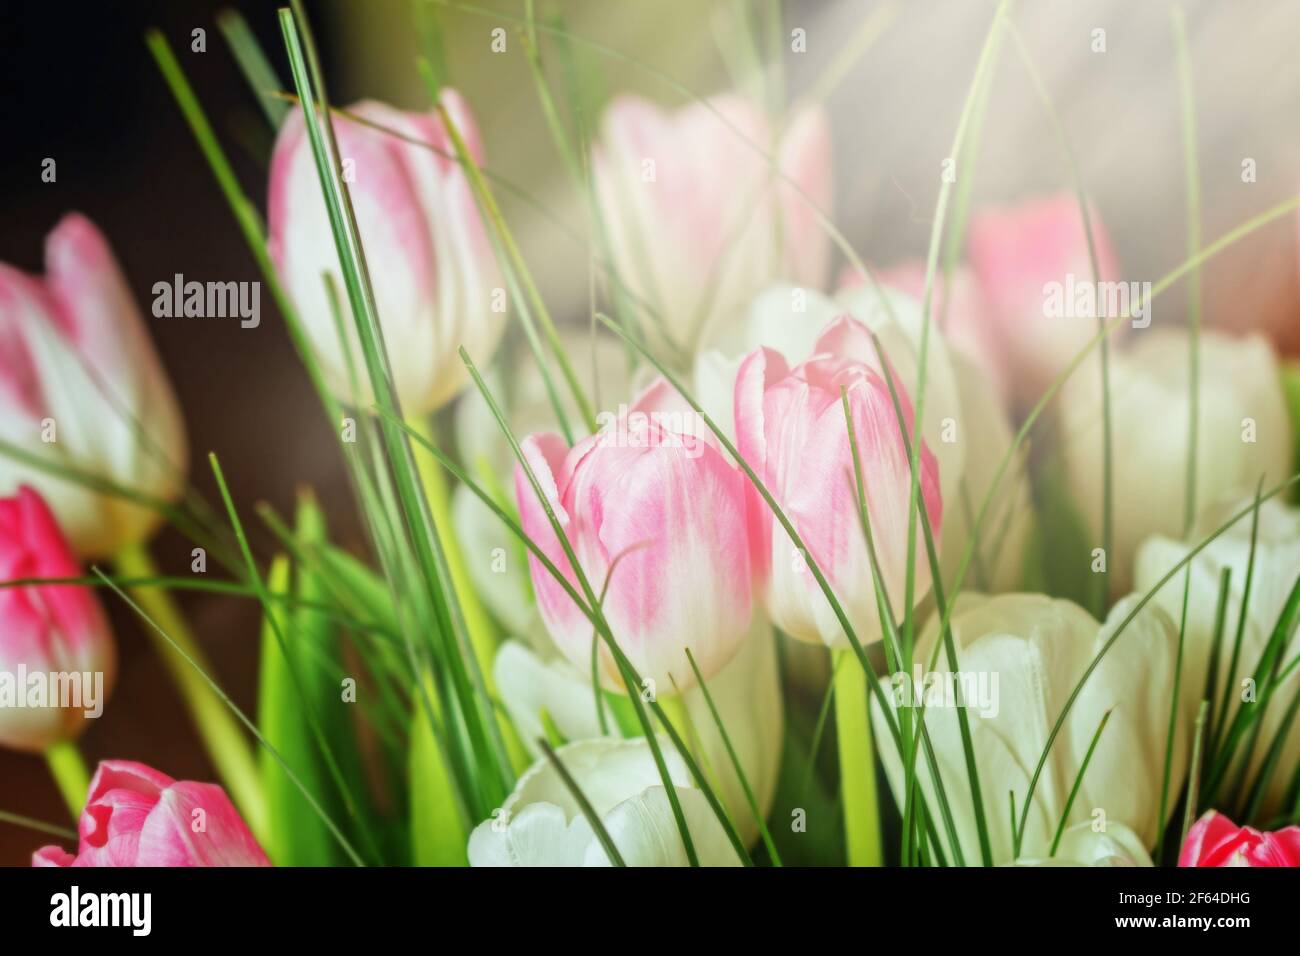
1276, 551
1214, 840
1017, 252
1243, 434
541, 824
656, 517
1020, 657
136, 816
81, 387
436, 281
48, 632
698, 221
791, 430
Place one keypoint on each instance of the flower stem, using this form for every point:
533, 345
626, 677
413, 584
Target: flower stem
226, 743
70, 773
857, 763
477, 623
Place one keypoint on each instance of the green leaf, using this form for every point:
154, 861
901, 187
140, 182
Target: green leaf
438, 837
296, 837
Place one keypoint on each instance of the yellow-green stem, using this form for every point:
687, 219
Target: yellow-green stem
225, 741
477, 623
857, 763
70, 773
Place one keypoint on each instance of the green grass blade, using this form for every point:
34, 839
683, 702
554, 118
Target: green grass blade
1078, 782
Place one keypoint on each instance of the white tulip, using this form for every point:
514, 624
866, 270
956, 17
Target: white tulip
1243, 434
541, 823
1277, 562
1021, 656
1082, 845
747, 693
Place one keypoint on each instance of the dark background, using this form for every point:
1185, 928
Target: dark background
79, 85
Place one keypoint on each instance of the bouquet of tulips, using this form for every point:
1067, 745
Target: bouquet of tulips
953, 561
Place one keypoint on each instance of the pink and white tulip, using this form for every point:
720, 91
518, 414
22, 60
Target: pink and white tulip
655, 508
47, 629
791, 430
1214, 840
436, 281
698, 221
1016, 251
136, 816
81, 386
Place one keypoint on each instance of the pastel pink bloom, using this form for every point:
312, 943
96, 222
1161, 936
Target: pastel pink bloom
1214, 840
791, 429
81, 386
1015, 252
964, 319
136, 816
658, 511
698, 222
427, 249
47, 628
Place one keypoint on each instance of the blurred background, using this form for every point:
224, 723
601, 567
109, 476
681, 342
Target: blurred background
80, 87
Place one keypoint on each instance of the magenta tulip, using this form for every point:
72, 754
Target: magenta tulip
47, 631
136, 816
1214, 840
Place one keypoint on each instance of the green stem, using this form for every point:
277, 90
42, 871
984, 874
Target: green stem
481, 634
226, 744
70, 773
857, 764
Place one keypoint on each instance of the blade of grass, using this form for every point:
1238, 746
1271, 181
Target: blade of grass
1078, 782
1190, 812
253, 64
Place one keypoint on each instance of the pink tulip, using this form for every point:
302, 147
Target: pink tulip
791, 429
436, 281
657, 511
698, 221
1214, 840
1015, 252
136, 816
47, 630
81, 386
